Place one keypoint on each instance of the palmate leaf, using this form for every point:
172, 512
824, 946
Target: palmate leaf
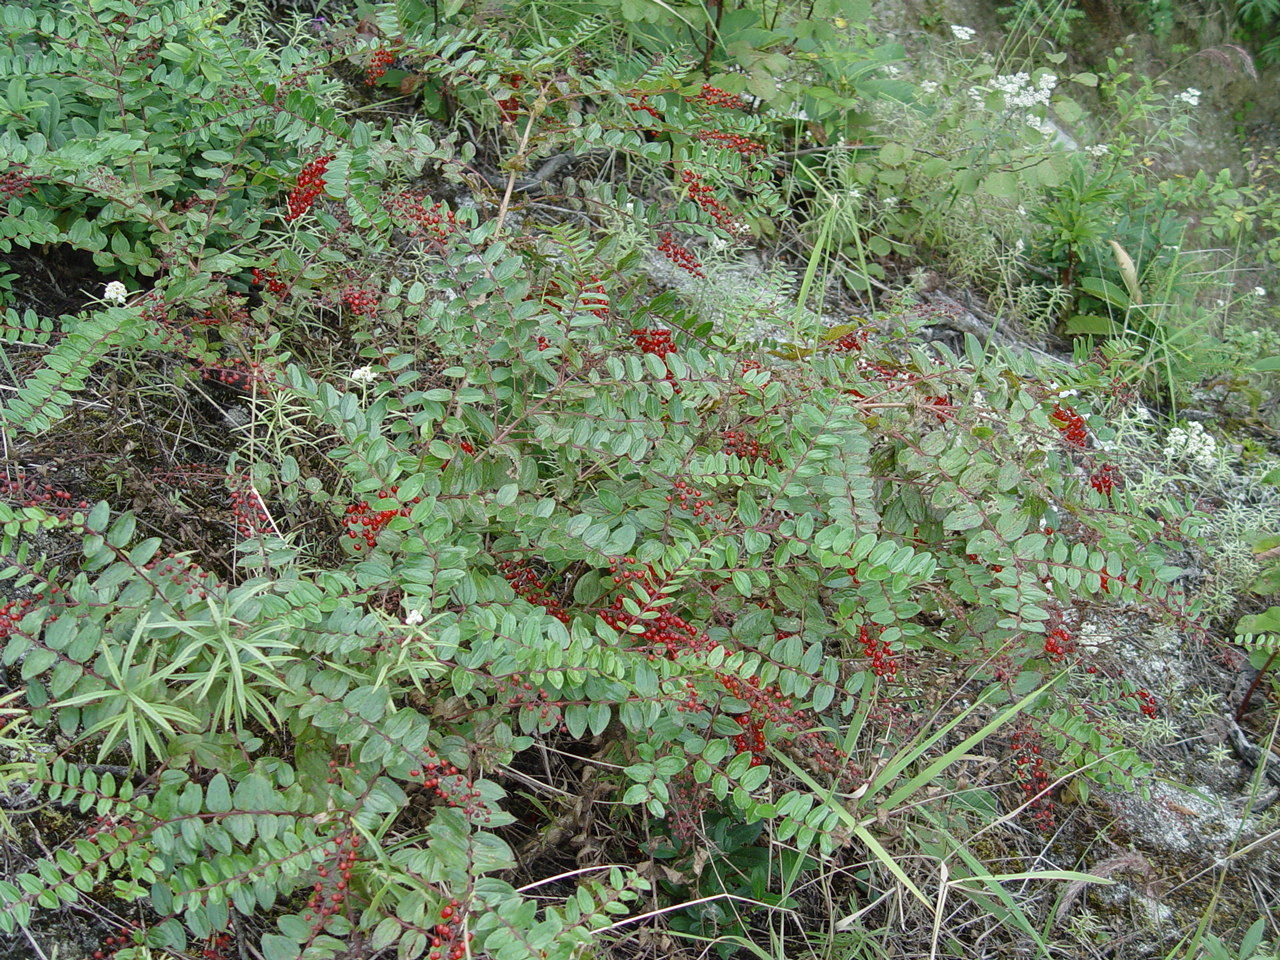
133, 706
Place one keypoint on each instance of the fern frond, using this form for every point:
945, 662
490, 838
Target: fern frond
46, 395
1267, 642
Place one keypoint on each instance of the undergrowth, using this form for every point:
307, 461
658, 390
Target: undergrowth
470, 580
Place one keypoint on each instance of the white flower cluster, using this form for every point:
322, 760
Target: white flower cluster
1190, 95
1097, 150
963, 33
414, 618
116, 291
1192, 443
929, 86
1019, 92
1259, 291
364, 375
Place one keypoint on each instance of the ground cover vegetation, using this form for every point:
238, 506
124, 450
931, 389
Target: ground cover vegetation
428, 532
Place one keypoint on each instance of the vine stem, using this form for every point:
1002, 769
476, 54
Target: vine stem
1248, 694
520, 153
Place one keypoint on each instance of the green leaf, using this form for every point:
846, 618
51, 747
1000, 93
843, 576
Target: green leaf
217, 798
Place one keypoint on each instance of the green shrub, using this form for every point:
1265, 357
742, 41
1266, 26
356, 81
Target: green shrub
531, 520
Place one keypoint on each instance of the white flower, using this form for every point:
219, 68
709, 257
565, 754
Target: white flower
414, 618
1190, 95
929, 86
1141, 412
890, 203
364, 375
1068, 393
1022, 211
1097, 150
1259, 291
1021, 93
1019, 246
116, 291
1192, 443
1045, 127
963, 33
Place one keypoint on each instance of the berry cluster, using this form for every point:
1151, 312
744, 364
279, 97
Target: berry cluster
1106, 479
666, 634
10, 615
652, 340
122, 939
943, 409
217, 947
705, 198
335, 770
851, 342
145, 55
359, 301
310, 185
154, 308
746, 367
715, 97
377, 67
732, 141
1073, 428
595, 299
737, 443
974, 558
447, 941
1147, 703
643, 106
365, 524
435, 223
29, 493
883, 662
230, 312
328, 898
13, 183
680, 256
767, 705
236, 373
1058, 643
1033, 776
110, 825
689, 800
509, 107
450, 786
751, 739
247, 508
693, 499
271, 281
181, 571
527, 583
534, 703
